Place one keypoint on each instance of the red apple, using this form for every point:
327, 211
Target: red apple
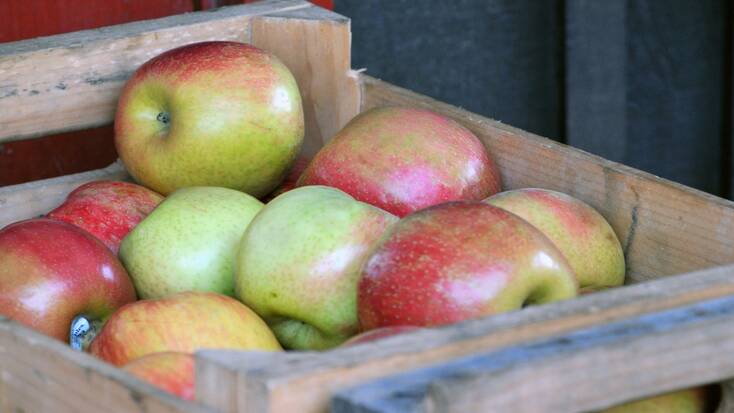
378, 334
210, 114
583, 236
52, 271
169, 371
403, 160
458, 261
107, 209
183, 322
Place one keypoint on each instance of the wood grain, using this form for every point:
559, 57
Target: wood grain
604, 366
71, 81
40, 374
305, 384
665, 228
315, 45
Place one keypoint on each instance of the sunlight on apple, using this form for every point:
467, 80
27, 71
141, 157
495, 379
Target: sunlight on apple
543, 260
281, 100
337, 260
41, 299
479, 289
107, 273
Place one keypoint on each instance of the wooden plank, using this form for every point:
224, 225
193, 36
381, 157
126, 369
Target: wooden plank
604, 365
18, 202
665, 228
40, 374
596, 115
71, 81
315, 45
305, 384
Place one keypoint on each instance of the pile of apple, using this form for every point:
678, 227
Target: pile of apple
398, 223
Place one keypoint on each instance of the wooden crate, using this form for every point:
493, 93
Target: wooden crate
71, 81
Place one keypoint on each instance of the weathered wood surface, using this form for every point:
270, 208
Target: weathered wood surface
582, 371
315, 45
72, 81
665, 228
304, 382
39, 374
18, 202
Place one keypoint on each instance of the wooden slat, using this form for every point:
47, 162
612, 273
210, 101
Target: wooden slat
40, 374
315, 45
306, 383
71, 81
665, 228
18, 202
604, 366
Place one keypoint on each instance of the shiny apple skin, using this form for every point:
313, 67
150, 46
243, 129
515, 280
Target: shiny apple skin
459, 261
169, 371
403, 160
583, 236
52, 271
107, 209
378, 334
235, 119
183, 322
694, 400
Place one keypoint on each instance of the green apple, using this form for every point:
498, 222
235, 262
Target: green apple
299, 264
583, 236
684, 401
210, 114
189, 242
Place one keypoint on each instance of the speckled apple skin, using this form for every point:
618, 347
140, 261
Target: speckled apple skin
299, 263
107, 209
459, 261
184, 323
189, 242
169, 371
583, 236
52, 271
404, 159
236, 119
694, 400
378, 334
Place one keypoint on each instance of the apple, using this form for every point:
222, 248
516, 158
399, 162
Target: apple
695, 400
52, 272
169, 371
290, 179
183, 322
210, 114
378, 334
457, 261
107, 209
404, 159
583, 236
299, 262
189, 242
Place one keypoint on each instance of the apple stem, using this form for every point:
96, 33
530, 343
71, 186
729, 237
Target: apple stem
82, 331
164, 117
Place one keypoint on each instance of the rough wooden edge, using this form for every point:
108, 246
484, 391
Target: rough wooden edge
41, 374
18, 202
305, 384
665, 228
604, 365
72, 81
315, 44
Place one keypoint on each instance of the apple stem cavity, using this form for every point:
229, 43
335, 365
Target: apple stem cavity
164, 118
82, 331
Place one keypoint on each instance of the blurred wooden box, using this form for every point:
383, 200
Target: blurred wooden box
71, 82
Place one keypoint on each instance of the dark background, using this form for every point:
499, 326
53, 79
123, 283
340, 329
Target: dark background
643, 82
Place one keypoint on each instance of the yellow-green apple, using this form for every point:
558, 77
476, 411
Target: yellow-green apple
210, 114
457, 261
404, 159
189, 242
52, 271
299, 263
183, 322
583, 236
169, 371
107, 209
695, 400
378, 334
